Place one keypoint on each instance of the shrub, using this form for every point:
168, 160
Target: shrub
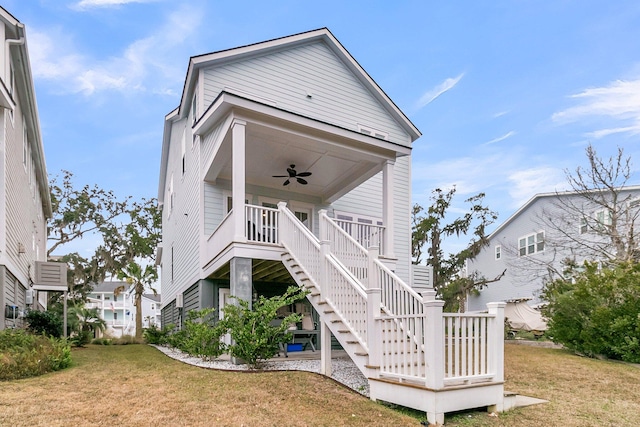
255, 335
598, 313
200, 337
155, 335
44, 322
23, 354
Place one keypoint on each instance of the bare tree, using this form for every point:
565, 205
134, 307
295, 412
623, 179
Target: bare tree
593, 221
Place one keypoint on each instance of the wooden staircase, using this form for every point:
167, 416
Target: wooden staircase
412, 353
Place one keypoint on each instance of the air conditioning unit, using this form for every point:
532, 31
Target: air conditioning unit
30, 296
179, 301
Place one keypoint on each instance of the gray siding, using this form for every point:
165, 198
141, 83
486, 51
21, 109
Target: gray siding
169, 315
285, 78
191, 299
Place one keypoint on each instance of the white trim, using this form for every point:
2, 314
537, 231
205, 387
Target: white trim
528, 243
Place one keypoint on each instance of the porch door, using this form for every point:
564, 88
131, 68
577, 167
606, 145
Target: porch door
224, 296
304, 213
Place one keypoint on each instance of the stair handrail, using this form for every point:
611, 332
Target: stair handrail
347, 249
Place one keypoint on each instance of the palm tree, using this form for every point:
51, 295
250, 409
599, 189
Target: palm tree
139, 278
85, 321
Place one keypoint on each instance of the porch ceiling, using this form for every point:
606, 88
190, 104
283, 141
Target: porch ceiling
263, 271
336, 165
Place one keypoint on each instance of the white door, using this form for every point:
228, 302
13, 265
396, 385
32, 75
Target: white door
224, 297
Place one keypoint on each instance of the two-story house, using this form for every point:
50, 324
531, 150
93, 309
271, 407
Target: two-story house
533, 245
115, 302
25, 202
285, 163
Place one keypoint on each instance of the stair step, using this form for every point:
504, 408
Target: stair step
322, 302
344, 331
361, 353
328, 312
336, 321
314, 294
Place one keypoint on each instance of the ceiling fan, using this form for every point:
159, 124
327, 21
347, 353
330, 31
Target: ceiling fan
291, 170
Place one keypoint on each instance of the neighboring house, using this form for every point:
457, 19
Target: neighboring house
25, 202
150, 310
531, 245
118, 309
285, 163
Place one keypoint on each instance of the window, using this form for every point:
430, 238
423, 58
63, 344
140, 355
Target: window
25, 146
498, 252
584, 227
171, 196
183, 150
115, 316
531, 244
194, 107
172, 276
115, 298
603, 218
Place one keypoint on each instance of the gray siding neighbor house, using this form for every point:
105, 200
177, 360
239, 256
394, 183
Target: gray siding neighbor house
286, 164
25, 202
531, 246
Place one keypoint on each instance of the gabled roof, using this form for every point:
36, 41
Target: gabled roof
109, 287
540, 196
322, 34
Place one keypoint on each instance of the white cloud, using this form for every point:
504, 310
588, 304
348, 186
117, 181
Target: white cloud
148, 64
618, 102
525, 183
87, 4
443, 87
500, 138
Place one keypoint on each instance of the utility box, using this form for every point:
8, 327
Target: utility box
30, 295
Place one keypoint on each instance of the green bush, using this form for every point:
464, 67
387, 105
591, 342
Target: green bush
201, 336
23, 354
44, 322
155, 335
598, 312
255, 337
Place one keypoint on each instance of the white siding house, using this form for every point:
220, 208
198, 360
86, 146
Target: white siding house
531, 245
118, 309
25, 202
285, 163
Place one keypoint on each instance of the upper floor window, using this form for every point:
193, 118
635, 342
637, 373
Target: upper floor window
183, 149
603, 217
25, 146
171, 196
194, 107
498, 252
531, 244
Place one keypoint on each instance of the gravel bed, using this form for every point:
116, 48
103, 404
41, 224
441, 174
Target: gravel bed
344, 370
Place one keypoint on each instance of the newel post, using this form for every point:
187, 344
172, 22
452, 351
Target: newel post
374, 325
496, 339
325, 248
433, 340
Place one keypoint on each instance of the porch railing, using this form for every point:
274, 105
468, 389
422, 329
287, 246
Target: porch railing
262, 224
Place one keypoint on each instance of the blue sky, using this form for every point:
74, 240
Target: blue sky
507, 94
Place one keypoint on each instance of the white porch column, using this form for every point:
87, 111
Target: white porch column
387, 209
238, 178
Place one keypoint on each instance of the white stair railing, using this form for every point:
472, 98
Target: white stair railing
340, 289
345, 248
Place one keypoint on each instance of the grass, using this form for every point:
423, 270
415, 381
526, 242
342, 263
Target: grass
137, 385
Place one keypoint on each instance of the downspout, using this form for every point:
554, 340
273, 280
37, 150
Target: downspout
15, 42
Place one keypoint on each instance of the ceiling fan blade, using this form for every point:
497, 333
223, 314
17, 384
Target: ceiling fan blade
280, 176
286, 182
304, 174
302, 181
